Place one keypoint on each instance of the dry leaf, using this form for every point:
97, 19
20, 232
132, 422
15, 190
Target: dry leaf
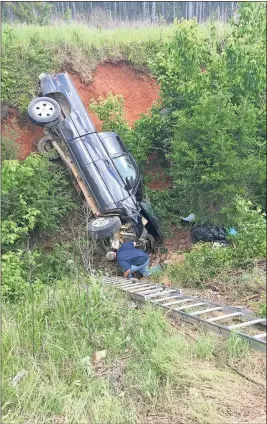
98, 356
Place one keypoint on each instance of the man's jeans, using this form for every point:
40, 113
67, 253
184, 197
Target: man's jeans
143, 269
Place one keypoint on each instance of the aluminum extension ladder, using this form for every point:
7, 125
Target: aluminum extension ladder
204, 312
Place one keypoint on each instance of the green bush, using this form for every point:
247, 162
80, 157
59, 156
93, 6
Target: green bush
110, 111
24, 270
216, 154
214, 93
19, 275
35, 195
205, 262
37, 12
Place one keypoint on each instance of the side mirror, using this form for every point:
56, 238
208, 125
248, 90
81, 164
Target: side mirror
129, 183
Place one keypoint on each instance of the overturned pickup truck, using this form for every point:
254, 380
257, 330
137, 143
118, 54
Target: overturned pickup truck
102, 169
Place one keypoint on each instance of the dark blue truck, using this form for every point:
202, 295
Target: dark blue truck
103, 167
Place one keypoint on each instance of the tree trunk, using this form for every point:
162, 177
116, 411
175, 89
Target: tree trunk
153, 11
144, 9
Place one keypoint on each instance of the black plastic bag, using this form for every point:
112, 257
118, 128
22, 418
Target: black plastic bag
207, 233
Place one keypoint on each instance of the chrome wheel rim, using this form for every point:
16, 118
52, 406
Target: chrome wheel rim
43, 109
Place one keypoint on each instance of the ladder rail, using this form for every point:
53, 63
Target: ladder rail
157, 294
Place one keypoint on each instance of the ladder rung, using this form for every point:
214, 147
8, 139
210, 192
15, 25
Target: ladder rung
145, 286
189, 306
204, 311
234, 314
156, 294
260, 336
178, 301
126, 283
166, 298
179, 304
135, 285
247, 323
148, 290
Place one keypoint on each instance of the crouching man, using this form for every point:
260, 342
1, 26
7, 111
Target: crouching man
130, 259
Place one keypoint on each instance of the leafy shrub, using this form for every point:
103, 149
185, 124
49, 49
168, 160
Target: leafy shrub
214, 94
26, 269
139, 53
164, 204
35, 195
205, 262
110, 111
216, 155
251, 240
19, 275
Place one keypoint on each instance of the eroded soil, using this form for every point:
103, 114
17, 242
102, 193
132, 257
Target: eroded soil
138, 89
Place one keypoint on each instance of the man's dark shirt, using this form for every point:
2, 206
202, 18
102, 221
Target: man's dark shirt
128, 255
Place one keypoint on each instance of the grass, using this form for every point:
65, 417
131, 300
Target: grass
97, 36
152, 372
71, 32
29, 50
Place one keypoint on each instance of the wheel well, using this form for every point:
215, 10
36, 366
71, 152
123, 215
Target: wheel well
62, 101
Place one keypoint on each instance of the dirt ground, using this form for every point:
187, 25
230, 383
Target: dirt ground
138, 90
27, 134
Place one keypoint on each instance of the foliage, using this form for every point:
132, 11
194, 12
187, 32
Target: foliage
214, 93
262, 309
205, 262
110, 111
18, 275
245, 55
164, 203
33, 196
25, 270
38, 12
214, 144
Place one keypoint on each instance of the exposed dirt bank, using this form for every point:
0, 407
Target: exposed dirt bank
139, 91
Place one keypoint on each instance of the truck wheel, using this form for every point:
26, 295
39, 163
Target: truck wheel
44, 112
45, 145
151, 243
104, 226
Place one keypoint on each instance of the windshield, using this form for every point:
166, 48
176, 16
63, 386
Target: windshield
126, 168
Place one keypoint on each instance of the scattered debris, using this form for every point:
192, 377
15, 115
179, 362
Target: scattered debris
98, 356
189, 218
17, 379
208, 233
221, 243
